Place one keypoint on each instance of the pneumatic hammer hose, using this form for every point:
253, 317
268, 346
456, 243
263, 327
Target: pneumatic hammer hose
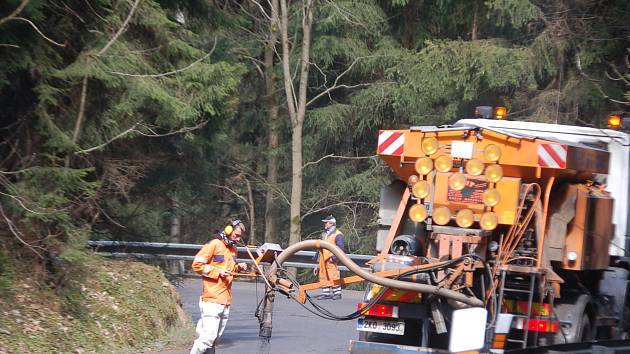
386, 282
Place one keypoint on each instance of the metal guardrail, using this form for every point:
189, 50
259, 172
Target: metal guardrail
187, 252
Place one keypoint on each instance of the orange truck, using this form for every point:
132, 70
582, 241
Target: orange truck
528, 218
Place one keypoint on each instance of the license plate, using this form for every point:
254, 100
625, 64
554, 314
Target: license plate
381, 326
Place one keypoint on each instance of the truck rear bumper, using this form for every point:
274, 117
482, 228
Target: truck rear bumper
360, 347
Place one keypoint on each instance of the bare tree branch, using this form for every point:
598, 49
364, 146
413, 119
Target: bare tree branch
335, 84
263, 181
133, 127
15, 12
620, 76
74, 13
170, 72
110, 218
152, 134
251, 213
81, 113
233, 192
37, 29
16, 172
14, 230
94, 11
314, 211
337, 157
21, 202
262, 10
121, 29
175, 132
596, 83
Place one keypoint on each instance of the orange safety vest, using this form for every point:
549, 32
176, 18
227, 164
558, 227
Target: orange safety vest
209, 261
327, 268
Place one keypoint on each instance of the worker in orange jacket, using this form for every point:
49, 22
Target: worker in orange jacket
327, 262
216, 263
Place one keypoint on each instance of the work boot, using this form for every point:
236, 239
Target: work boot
336, 297
323, 297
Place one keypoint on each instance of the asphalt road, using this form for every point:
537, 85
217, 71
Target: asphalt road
295, 330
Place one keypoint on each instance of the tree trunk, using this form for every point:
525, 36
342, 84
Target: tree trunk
175, 223
80, 116
177, 266
297, 112
251, 212
271, 210
475, 24
296, 184
297, 107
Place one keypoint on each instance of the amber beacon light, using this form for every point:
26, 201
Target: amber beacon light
614, 121
500, 112
491, 112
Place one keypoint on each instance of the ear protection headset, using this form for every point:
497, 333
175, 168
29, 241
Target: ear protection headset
228, 230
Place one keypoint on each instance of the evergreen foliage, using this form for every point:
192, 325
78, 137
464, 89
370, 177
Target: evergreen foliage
121, 134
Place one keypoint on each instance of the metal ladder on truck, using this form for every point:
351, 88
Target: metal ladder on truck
528, 289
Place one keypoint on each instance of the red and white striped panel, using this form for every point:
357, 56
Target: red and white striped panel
552, 155
390, 143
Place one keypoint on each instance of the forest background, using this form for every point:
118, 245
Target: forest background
143, 120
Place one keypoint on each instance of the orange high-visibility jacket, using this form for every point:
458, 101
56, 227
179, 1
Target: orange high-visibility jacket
327, 268
209, 261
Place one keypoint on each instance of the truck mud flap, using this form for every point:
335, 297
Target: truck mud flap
360, 347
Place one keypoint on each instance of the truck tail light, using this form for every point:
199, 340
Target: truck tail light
380, 310
538, 325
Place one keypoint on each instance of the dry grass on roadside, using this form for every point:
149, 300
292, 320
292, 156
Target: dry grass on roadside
104, 306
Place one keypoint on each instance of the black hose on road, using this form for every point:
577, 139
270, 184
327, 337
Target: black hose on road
386, 282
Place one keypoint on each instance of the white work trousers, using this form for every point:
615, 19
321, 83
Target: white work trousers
210, 326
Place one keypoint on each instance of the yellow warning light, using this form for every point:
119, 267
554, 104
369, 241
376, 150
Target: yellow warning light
413, 179
444, 163
421, 189
424, 165
614, 121
500, 112
457, 181
492, 153
491, 197
441, 215
429, 146
489, 221
474, 167
494, 173
417, 213
465, 218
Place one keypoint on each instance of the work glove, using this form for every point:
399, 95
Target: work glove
224, 273
242, 267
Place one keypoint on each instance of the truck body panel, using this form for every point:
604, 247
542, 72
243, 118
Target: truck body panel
616, 178
524, 212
